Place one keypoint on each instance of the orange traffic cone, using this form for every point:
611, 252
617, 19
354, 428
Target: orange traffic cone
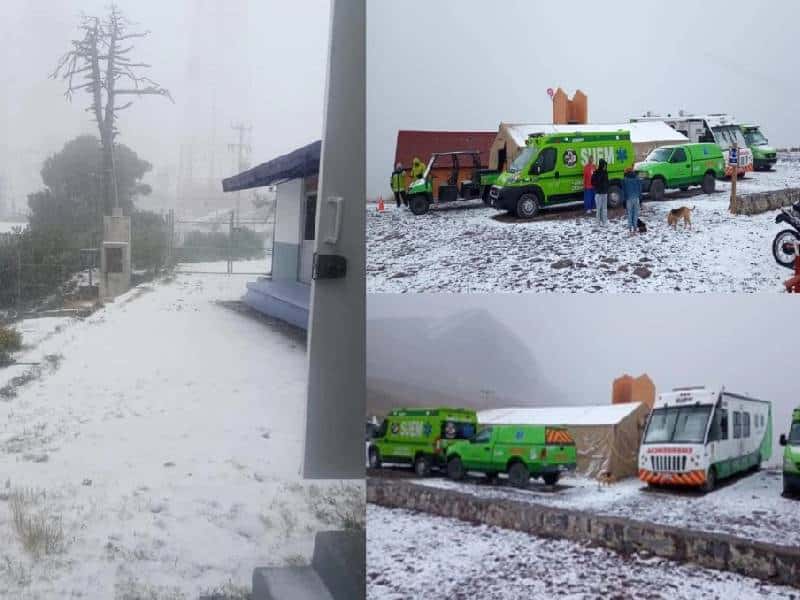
381, 207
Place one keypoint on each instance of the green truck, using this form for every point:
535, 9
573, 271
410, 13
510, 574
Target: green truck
549, 171
791, 456
421, 191
764, 155
521, 451
420, 436
681, 167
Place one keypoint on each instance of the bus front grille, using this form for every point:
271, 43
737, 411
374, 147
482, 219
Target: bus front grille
668, 463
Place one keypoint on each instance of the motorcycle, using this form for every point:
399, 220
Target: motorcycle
786, 245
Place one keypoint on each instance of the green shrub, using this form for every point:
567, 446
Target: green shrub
10, 341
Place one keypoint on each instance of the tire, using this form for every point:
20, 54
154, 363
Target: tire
422, 465
485, 196
757, 467
711, 481
550, 478
657, 188
419, 204
518, 475
374, 458
615, 197
528, 206
709, 183
455, 469
782, 256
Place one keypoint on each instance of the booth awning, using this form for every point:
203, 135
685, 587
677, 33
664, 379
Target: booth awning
299, 163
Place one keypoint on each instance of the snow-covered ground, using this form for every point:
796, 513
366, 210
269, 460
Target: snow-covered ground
414, 555
163, 435
469, 247
749, 507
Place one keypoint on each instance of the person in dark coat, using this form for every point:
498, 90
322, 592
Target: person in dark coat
600, 186
632, 191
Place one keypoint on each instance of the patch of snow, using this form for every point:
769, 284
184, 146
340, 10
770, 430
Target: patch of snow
749, 507
415, 555
168, 439
609, 414
472, 248
646, 131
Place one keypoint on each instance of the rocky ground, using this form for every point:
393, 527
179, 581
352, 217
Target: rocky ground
470, 247
415, 555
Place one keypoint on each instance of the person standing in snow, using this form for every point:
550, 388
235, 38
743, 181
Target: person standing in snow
600, 186
588, 190
631, 191
399, 185
417, 169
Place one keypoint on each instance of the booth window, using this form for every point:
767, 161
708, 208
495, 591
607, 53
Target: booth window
311, 216
113, 260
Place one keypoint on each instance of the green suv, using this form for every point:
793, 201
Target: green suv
681, 167
791, 456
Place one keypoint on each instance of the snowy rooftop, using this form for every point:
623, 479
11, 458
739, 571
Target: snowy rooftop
609, 414
649, 131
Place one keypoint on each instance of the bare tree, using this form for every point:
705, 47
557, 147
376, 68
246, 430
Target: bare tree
99, 64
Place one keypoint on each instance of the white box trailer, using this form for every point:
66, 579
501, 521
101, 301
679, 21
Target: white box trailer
718, 128
696, 436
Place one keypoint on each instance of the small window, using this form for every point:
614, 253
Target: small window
737, 425
719, 427
311, 216
453, 430
724, 427
114, 260
678, 156
745, 425
546, 161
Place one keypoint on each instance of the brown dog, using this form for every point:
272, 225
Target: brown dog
676, 214
606, 478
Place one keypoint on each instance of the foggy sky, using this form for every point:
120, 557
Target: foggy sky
582, 342
224, 61
470, 64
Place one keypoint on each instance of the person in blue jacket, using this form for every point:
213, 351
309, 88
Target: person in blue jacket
632, 191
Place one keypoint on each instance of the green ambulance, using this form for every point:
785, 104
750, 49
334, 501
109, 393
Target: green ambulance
764, 155
680, 167
420, 436
791, 456
521, 451
549, 171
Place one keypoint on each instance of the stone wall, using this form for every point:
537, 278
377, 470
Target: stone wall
753, 204
771, 562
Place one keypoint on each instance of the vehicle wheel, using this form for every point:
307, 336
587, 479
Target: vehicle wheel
757, 467
550, 478
419, 204
455, 468
518, 475
711, 481
422, 466
783, 247
486, 199
615, 197
528, 206
709, 183
657, 189
374, 459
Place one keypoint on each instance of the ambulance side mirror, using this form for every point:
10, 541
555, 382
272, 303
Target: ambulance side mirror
783, 439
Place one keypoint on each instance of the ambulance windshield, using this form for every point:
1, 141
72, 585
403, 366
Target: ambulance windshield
794, 434
522, 159
728, 135
754, 137
678, 424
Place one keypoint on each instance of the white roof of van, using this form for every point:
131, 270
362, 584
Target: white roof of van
648, 131
606, 414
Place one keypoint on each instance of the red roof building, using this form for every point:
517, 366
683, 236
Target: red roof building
424, 143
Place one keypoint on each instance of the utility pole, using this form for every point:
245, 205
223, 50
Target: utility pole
242, 150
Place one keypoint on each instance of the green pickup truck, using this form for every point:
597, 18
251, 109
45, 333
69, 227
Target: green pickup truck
791, 457
680, 167
420, 436
521, 451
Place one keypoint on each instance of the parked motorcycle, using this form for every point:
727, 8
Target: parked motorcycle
785, 244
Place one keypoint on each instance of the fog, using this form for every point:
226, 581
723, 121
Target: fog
581, 343
259, 63
470, 64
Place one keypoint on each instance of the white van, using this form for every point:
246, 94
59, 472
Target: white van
718, 128
696, 436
